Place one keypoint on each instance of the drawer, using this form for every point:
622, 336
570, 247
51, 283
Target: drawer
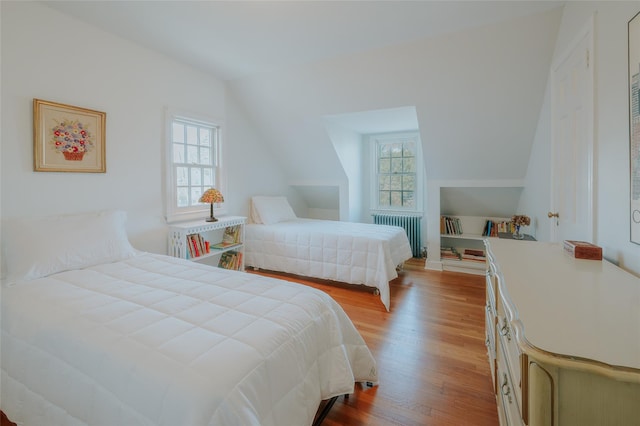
508, 345
507, 395
490, 294
490, 342
489, 326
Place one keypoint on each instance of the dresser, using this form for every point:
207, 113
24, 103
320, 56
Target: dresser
563, 337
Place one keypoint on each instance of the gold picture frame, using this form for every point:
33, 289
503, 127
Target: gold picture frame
67, 138
634, 125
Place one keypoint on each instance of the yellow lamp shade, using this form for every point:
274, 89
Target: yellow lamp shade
211, 196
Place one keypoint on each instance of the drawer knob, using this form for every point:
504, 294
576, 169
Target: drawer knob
506, 390
505, 331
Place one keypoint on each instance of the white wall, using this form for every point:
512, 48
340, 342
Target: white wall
348, 146
535, 199
51, 56
611, 131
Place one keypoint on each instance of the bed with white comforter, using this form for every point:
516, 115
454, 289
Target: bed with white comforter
155, 340
354, 253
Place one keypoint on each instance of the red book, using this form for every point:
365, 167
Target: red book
583, 250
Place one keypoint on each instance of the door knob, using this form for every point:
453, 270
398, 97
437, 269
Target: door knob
556, 214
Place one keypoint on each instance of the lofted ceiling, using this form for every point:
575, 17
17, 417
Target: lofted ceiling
234, 39
474, 72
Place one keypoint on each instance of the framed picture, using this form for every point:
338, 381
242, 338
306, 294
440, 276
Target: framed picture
68, 138
634, 124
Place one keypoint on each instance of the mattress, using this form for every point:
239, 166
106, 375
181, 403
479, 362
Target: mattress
354, 253
156, 340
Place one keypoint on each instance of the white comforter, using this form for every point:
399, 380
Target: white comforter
156, 340
354, 253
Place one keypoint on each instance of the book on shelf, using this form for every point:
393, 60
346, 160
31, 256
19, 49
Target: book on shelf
474, 252
492, 227
231, 234
449, 253
196, 246
450, 225
230, 260
230, 237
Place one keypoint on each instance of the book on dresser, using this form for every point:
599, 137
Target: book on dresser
582, 250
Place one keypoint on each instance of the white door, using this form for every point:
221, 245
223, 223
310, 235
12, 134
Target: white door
572, 116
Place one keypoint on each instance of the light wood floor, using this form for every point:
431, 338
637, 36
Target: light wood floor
429, 349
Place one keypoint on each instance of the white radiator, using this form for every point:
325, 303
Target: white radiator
411, 225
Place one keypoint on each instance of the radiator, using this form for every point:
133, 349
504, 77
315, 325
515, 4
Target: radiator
411, 225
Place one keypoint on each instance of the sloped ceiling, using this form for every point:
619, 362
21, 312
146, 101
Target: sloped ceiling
477, 94
475, 71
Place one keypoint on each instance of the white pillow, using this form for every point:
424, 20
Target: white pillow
35, 248
270, 210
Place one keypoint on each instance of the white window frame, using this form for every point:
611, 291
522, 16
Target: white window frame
374, 140
173, 212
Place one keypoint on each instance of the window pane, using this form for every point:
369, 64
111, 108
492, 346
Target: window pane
205, 137
384, 151
178, 133
396, 198
396, 183
409, 149
396, 165
192, 154
383, 198
384, 165
192, 135
408, 199
396, 150
205, 155
196, 176
409, 165
191, 148
178, 153
183, 196
196, 192
384, 183
207, 176
182, 176
408, 183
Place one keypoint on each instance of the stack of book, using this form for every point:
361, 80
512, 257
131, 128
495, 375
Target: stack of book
491, 228
450, 225
230, 260
474, 255
196, 246
449, 253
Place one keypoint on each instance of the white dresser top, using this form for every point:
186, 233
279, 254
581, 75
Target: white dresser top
581, 308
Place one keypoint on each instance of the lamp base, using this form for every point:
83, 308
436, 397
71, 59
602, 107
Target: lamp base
211, 219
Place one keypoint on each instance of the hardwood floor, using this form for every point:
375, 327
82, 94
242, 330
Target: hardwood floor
430, 350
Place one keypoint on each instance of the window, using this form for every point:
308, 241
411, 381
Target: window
397, 171
193, 164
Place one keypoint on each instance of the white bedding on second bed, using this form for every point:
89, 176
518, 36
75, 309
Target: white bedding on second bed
156, 340
354, 253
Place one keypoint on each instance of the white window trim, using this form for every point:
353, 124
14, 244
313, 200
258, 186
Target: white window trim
172, 212
372, 140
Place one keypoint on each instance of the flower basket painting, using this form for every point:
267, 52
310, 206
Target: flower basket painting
68, 138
